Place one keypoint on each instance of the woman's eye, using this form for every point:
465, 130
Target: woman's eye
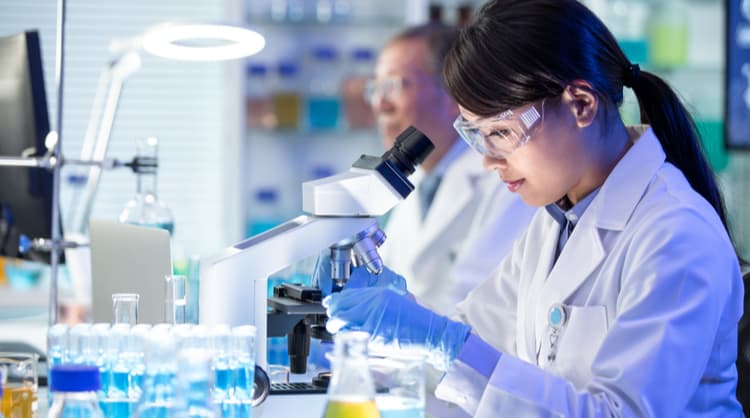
499, 134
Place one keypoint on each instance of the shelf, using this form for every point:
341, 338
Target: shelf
380, 22
302, 134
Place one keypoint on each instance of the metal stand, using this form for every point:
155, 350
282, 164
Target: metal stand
54, 162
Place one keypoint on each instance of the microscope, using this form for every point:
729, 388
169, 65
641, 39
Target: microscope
341, 213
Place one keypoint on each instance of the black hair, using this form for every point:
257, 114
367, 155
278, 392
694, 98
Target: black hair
439, 37
519, 51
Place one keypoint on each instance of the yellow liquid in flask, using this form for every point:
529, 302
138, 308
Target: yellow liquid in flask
348, 409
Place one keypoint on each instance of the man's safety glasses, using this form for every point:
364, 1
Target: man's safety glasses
386, 88
498, 136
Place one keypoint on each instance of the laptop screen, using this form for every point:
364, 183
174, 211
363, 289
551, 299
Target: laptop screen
128, 259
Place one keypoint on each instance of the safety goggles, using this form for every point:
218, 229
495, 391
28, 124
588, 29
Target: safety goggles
386, 88
498, 136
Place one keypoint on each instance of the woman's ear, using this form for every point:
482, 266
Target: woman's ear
583, 102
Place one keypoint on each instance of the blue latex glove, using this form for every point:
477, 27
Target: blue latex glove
360, 277
396, 320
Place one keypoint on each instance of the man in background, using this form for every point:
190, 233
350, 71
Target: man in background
448, 235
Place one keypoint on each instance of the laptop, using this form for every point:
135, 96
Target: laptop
128, 259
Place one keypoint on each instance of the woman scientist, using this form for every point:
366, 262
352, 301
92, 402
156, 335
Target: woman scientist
622, 299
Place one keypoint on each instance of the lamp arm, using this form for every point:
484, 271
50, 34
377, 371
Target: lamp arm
98, 135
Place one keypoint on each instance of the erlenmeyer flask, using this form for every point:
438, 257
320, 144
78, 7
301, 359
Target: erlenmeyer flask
144, 208
351, 393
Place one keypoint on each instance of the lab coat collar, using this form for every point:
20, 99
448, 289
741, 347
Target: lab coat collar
624, 186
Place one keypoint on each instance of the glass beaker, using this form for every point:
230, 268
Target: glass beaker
125, 308
18, 377
175, 302
399, 385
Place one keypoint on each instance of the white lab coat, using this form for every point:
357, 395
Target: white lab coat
653, 292
469, 228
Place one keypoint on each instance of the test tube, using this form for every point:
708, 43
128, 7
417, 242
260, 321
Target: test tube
125, 308
174, 299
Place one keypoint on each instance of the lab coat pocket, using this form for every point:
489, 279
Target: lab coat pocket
583, 335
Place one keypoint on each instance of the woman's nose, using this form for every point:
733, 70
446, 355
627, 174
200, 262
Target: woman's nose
492, 163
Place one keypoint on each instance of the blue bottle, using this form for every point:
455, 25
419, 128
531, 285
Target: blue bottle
323, 101
74, 390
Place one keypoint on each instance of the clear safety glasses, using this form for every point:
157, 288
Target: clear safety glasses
498, 136
386, 88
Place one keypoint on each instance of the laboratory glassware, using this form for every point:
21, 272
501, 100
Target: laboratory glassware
57, 345
220, 337
258, 103
18, 375
125, 308
118, 401
193, 385
243, 372
157, 399
358, 112
193, 289
323, 101
144, 208
286, 96
175, 302
74, 390
400, 384
351, 392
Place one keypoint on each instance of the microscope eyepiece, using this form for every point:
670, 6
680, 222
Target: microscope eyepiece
409, 150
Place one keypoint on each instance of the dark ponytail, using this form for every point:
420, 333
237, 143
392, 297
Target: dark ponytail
519, 51
662, 109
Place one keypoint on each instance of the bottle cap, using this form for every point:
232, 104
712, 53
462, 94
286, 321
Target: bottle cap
362, 54
75, 378
266, 194
257, 69
287, 69
325, 53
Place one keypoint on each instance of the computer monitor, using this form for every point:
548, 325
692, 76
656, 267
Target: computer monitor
25, 193
737, 75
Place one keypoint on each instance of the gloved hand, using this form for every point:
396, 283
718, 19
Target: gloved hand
396, 320
360, 277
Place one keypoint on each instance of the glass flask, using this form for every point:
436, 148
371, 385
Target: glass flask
144, 208
351, 392
74, 392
